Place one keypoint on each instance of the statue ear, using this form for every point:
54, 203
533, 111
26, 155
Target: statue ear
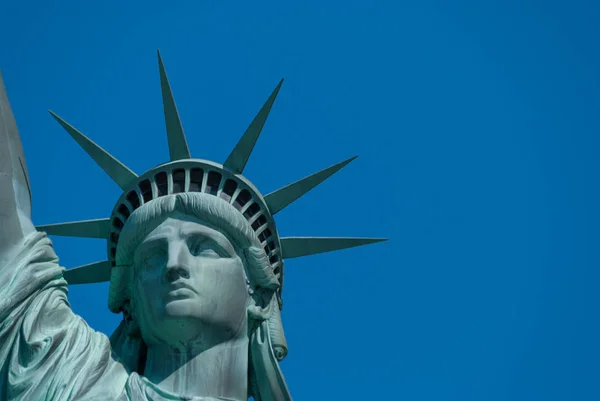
121, 279
261, 305
258, 313
132, 328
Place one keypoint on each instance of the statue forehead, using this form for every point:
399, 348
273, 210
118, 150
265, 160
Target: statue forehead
181, 224
178, 226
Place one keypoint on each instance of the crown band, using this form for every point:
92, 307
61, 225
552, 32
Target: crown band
196, 175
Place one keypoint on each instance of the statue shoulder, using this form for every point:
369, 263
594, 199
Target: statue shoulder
56, 354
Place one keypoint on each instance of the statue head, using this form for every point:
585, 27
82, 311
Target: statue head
190, 270
194, 255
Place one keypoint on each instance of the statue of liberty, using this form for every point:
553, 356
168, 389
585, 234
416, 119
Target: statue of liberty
195, 265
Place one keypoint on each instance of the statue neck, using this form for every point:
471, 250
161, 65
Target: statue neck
220, 371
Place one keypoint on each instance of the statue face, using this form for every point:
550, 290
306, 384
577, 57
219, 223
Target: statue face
189, 284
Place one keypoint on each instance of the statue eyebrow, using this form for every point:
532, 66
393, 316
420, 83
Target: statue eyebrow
214, 236
150, 243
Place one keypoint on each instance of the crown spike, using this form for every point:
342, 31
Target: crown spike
294, 247
98, 272
281, 198
99, 228
178, 147
241, 153
119, 173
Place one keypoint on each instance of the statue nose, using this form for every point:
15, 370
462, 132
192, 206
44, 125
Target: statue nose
175, 273
177, 265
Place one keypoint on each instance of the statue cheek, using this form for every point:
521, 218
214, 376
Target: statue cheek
237, 288
146, 291
149, 275
221, 280
233, 276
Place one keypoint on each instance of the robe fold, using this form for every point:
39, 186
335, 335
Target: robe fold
46, 351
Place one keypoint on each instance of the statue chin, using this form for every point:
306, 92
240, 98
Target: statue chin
175, 332
188, 323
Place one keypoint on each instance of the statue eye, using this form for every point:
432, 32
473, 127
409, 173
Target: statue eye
152, 257
204, 248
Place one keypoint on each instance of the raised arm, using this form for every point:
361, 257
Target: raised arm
15, 191
34, 311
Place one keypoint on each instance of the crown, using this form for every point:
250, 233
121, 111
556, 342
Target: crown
186, 174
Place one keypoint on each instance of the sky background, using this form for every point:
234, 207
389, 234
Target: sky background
477, 127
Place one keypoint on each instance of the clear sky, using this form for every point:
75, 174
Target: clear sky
477, 127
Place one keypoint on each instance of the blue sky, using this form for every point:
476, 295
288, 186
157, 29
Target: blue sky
477, 129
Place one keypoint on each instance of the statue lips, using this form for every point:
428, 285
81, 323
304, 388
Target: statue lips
180, 289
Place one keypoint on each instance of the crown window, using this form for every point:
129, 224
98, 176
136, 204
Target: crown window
242, 198
146, 189
252, 210
196, 176
161, 183
264, 235
133, 198
178, 181
212, 183
228, 189
124, 210
259, 222
117, 223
